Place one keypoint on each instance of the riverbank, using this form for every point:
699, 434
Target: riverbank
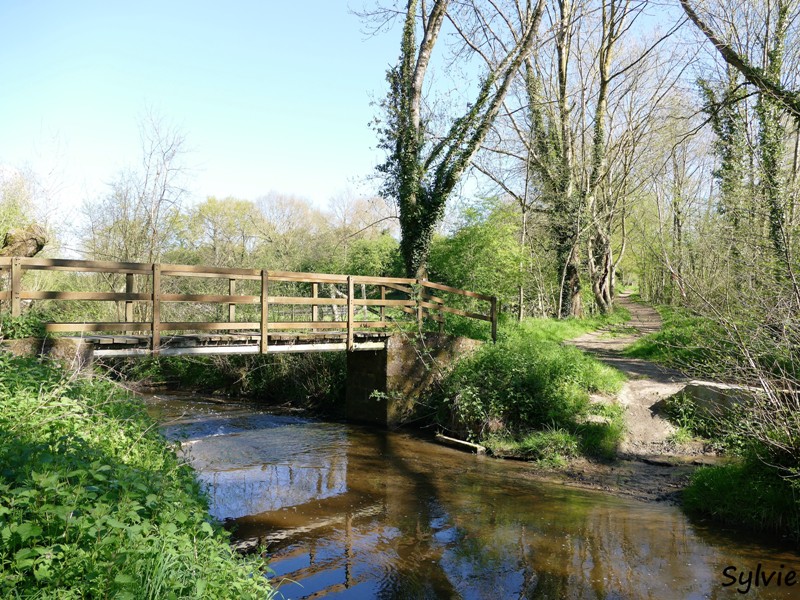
94, 504
669, 435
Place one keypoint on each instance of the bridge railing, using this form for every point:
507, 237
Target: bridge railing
151, 291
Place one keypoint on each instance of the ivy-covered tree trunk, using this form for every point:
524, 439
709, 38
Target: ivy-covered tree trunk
421, 172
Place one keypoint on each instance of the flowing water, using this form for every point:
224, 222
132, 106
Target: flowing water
350, 512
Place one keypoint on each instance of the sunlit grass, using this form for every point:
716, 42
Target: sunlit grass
94, 505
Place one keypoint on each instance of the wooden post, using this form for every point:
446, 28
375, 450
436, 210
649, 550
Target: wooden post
314, 307
494, 318
420, 298
383, 299
264, 311
16, 286
156, 337
231, 306
130, 288
350, 313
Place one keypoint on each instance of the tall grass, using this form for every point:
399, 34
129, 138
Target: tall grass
747, 494
688, 342
94, 505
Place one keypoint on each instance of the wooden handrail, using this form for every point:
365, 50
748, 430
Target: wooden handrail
418, 301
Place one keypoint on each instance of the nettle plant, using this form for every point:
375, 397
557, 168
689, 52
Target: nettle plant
28, 324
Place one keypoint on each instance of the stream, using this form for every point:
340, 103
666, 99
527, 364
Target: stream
351, 512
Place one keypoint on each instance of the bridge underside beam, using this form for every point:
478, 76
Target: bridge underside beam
241, 349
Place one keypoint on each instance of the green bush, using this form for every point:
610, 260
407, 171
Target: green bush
524, 382
94, 505
29, 324
748, 494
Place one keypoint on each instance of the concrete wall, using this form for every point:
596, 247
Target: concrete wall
400, 375
72, 353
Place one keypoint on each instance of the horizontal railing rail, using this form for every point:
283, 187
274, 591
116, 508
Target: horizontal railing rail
391, 300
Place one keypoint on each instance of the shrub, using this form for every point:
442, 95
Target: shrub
519, 384
29, 324
93, 504
747, 493
314, 380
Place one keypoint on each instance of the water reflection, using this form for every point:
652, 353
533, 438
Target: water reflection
227, 446
357, 514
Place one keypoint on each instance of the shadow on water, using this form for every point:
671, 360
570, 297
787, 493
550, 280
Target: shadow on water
353, 513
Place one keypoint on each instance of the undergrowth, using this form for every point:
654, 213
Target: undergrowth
749, 494
528, 394
754, 491
313, 380
685, 341
94, 505
28, 324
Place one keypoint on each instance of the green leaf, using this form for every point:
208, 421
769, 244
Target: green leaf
42, 572
123, 579
115, 523
181, 516
22, 559
28, 530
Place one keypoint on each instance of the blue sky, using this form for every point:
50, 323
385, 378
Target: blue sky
271, 95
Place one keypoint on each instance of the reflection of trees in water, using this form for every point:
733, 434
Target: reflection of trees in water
254, 490
383, 516
577, 548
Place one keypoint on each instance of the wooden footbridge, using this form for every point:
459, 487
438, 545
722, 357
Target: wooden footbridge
129, 309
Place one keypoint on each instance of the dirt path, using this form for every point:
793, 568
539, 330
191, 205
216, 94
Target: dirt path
651, 465
647, 386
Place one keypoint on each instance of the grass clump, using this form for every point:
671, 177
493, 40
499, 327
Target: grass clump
94, 505
528, 395
748, 494
548, 447
686, 341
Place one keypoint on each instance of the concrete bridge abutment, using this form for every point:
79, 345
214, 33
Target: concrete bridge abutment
383, 386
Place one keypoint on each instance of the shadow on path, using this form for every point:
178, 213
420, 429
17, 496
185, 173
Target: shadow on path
648, 432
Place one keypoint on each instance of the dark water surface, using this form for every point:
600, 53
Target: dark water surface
348, 512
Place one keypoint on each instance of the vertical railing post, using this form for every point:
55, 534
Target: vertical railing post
130, 288
16, 286
383, 307
156, 322
231, 306
420, 297
264, 311
494, 318
350, 313
440, 317
314, 307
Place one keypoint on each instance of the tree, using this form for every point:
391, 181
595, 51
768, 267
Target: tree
762, 78
222, 232
138, 219
572, 132
421, 171
757, 39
